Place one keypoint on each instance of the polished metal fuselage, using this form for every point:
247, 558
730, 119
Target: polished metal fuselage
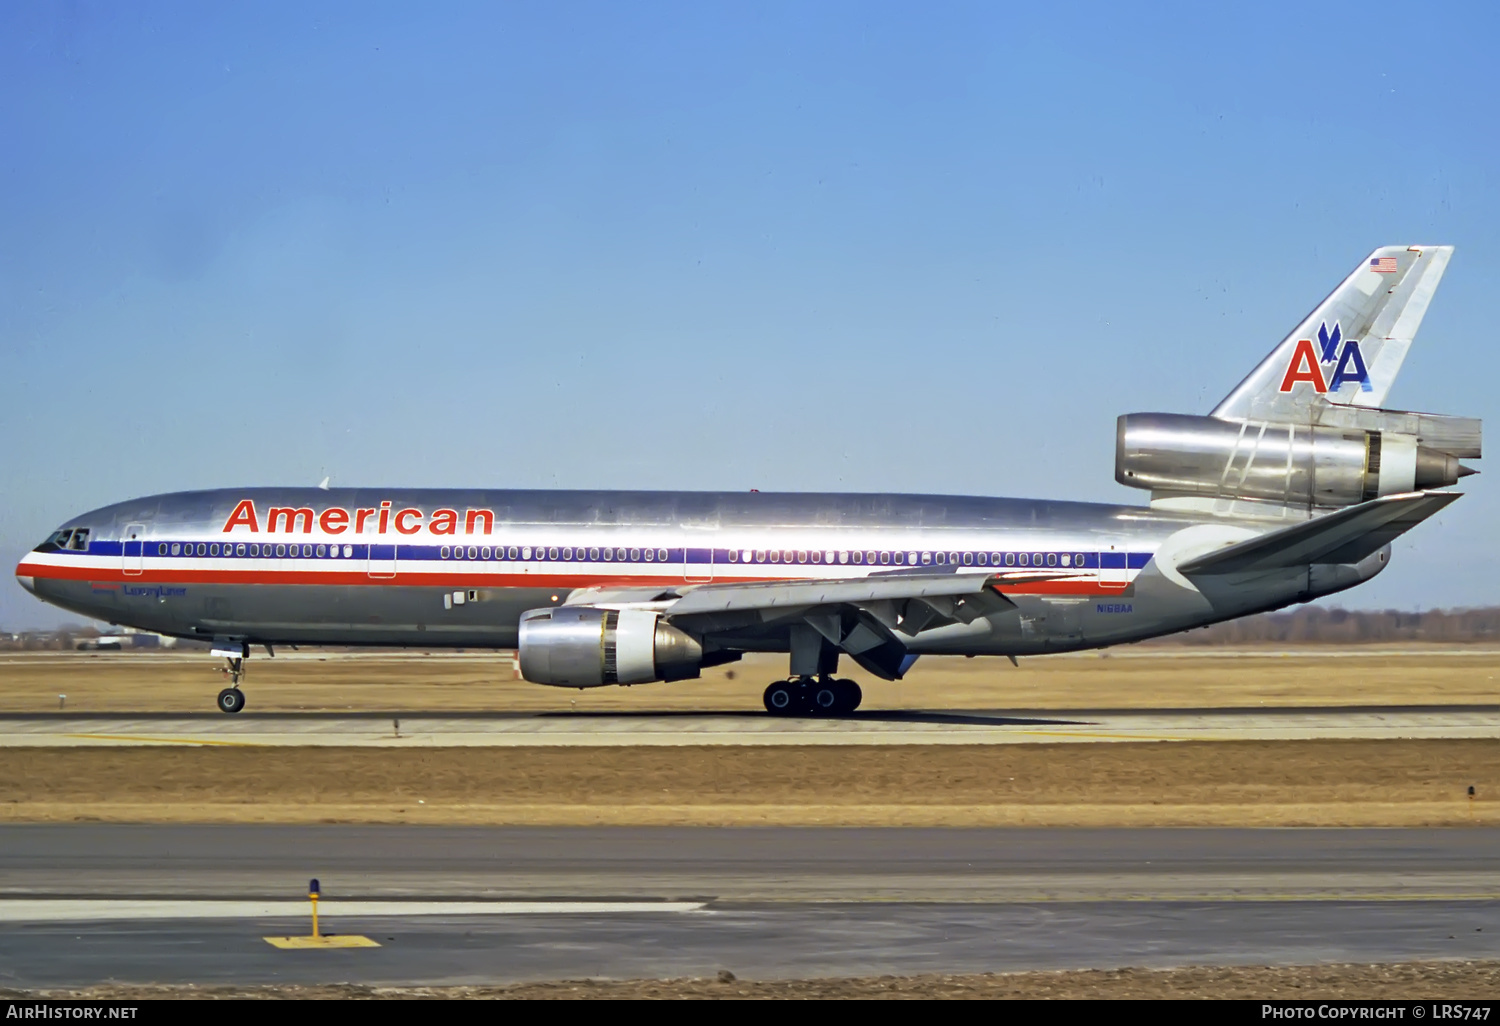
447, 568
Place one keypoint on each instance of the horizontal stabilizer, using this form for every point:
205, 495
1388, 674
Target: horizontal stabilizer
1346, 536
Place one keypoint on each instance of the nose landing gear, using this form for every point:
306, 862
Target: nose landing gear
232, 699
807, 696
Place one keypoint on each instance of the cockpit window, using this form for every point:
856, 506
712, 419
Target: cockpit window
60, 539
80, 540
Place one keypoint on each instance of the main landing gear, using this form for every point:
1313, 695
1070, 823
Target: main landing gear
807, 696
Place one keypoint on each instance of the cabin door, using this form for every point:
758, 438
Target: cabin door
133, 550
1113, 571
382, 559
698, 565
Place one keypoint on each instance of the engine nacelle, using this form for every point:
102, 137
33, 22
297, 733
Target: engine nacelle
1296, 464
585, 647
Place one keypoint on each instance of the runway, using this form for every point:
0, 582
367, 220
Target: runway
666, 729
763, 903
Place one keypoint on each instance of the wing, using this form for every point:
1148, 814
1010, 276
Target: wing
867, 617
1346, 536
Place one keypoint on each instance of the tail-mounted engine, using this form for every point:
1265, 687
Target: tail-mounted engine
1292, 464
585, 647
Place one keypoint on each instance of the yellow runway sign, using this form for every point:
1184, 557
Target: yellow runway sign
338, 940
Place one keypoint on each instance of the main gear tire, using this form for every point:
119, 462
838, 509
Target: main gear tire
823, 698
231, 700
850, 695
783, 698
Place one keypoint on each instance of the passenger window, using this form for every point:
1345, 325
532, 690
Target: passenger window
322, 550
968, 559
661, 554
802, 555
473, 552
307, 550
348, 551
776, 555
161, 550
760, 555
1036, 559
926, 558
734, 555
1051, 559
213, 550
281, 550
1067, 560
484, 553
872, 558
635, 555
239, 550
650, 555
885, 557
1025, 560
1078, 559
512, 552
567, 553
984, 559
255, 550
817, 557
859, 558
552, 553
593, 554
609, 555
1010, 559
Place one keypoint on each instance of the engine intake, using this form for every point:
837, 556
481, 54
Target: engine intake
1295, 464
587, 647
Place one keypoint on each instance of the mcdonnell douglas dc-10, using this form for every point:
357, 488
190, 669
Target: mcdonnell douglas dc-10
1293, 487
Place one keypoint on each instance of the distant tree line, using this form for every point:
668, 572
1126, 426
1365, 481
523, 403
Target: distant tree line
1315, 625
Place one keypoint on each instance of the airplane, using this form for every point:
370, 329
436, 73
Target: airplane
1291, 488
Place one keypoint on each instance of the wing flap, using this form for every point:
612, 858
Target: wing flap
1346, 536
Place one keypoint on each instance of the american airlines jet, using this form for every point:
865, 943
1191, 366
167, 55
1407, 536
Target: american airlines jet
1293, 487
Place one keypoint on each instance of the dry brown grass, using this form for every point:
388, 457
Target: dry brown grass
1237, 783
413, 682
1434, 981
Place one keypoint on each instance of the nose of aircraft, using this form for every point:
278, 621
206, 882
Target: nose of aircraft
29, 583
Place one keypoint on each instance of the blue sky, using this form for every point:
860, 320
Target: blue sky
863, 246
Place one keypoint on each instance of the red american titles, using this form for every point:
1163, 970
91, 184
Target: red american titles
336, 520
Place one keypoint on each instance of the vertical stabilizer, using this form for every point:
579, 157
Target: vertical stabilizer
1349, 350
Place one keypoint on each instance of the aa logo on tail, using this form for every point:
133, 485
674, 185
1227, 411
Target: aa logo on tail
1307, 363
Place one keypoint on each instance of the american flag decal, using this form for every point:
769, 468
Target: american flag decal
1383, 265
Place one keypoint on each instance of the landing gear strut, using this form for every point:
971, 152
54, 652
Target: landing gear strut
805, 696
232, 699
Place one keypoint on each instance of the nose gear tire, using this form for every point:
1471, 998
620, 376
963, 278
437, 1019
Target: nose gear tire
231, 700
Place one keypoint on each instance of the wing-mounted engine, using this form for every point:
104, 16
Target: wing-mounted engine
584, 647
1338, 461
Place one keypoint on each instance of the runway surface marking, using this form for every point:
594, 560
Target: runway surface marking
658, 730
163, 740
100, 910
